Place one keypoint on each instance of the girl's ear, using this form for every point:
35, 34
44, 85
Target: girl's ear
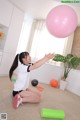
23, 59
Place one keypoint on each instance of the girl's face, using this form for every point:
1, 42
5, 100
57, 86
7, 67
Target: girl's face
27, 59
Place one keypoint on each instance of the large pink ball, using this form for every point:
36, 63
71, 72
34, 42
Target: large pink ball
61, 21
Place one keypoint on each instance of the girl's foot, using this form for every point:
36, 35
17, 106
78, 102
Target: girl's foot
17, 100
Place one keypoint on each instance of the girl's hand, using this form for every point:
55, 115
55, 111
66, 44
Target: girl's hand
50, 55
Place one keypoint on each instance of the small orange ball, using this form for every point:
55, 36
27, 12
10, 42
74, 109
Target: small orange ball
54, 83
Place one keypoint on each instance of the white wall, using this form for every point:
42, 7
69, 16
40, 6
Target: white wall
14, 31
48, 72
6, 10
12, 17
74, 82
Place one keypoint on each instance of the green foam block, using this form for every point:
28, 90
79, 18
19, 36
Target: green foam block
50, 113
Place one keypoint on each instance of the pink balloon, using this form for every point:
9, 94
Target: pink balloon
61, 21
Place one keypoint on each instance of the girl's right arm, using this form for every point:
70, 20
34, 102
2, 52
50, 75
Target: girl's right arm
41, 61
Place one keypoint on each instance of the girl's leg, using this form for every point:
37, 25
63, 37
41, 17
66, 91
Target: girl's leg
26, 96
37, 93
30, 96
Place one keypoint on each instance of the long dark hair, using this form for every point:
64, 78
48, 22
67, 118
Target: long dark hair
15, 62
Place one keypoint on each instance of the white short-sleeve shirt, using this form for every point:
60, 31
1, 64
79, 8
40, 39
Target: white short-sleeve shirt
22, 81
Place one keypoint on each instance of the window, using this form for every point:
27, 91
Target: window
43, 42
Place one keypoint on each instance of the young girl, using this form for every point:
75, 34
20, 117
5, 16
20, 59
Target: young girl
21, 92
